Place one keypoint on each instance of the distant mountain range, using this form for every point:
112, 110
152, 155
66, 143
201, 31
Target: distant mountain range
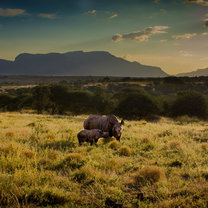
197, 73
77, 63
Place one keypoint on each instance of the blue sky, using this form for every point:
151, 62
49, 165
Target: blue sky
170, 34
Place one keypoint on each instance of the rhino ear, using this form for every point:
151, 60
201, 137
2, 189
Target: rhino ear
122, 122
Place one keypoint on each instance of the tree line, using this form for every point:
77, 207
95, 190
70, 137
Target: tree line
128, 103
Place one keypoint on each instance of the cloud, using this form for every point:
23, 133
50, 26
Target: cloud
156, 1
184, 36
141, 35
113, 16
164, 40
199, 2
163, 10
204, 33
93, 12
185, 54
11, 12
48, 16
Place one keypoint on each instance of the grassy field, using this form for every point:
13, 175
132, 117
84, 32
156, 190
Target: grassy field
163, 164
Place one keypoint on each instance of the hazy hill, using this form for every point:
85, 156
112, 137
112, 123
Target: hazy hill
77, 63
5, 66
197, 73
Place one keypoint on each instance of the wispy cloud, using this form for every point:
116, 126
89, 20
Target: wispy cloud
11, 12
184, 36
163, 10
113, 16
141, 35
47, 16
156, 1
93, 12
185, 54
199, 2
164, 40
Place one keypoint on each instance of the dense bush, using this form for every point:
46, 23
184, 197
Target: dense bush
6, 100
59, 98
41, 96
15, 102
127, 102
137, 105
190, 103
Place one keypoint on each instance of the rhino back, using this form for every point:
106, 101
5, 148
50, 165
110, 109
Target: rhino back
99, 122
93, 122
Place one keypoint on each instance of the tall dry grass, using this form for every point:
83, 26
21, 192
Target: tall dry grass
161, 164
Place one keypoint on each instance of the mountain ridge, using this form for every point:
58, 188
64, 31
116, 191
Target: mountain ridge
77, 63
196, 73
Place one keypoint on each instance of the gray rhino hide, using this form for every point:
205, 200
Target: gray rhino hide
99, 122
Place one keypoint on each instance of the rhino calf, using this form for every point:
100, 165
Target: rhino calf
91, 136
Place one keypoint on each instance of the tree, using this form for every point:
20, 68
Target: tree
190, 103
137, 105
60, 98
41, 96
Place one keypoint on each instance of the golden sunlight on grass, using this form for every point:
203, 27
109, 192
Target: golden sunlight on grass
156, 164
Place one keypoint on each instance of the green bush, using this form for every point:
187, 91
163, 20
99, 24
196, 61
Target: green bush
137, 105
190, 103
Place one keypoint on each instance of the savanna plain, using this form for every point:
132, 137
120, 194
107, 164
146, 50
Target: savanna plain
156, 164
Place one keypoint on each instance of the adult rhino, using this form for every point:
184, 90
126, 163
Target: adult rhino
105, 123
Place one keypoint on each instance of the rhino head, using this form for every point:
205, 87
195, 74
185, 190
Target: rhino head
117, 130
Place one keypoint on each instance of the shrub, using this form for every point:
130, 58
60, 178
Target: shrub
137, 105
28, 154
86, 172
8, 148
165, 133
74, 160
149, 174
9, 134
53, 155
175, 145
145, 140
124, 151
73, 157
112, 164
114, 145
190, 103
46, 196
204, 146
41, 97
173, 80
186, 119
148, 147
51, 136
